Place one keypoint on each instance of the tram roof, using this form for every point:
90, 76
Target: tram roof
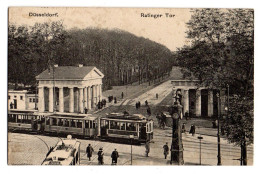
121, 116
63, 151
74, 116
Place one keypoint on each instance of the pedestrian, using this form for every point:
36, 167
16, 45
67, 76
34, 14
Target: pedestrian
136, 105
147, 148
85, 110
183, 129
165, 150
122, 95
192, 130
114, 157
157, 96
115, 101
146, 103
100, 156
149, 111
163, 120
89, 151
11, 105
139, 104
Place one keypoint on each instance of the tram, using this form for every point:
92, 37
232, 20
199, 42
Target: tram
84, 125
123, 126
25, 121
66, 152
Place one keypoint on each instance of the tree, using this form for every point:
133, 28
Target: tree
221, 53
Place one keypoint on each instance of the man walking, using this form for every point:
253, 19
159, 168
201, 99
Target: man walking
114, 157
100, 156
89, 151
165, 150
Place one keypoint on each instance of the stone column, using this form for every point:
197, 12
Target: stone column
89, 98
85, 97
96, 91
210, 103
61, 101
186, 101
50, 99
100, 92
198, 102
81, 100
71, 105
41, 106
92, 97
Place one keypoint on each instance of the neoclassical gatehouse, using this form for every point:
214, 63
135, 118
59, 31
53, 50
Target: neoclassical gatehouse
198, 101
69, 89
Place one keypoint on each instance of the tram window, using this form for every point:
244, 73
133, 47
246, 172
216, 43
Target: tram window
94, 124
19, 119
54, 121
122, 126
47, 121
114, 125
87, 124
66, 123
79, 124
60, 122
131, 127
90, 124
73, 123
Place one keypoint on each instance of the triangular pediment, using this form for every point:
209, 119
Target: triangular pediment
94, 74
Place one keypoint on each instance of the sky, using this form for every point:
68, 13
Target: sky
168, 31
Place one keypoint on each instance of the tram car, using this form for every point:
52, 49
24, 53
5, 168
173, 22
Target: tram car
123, 126
66, 152
25, 121
84, 125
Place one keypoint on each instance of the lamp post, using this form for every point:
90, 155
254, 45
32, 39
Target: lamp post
200, 138
219, 155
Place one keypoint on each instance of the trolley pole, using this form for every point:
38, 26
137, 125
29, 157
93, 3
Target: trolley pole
131, 138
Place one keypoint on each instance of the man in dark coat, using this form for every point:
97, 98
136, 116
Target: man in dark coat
149, 111
147, 148
100, 156
114, 157
165, 150
89, 151
192, 130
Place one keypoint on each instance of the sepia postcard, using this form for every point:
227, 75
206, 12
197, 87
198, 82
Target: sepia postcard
130, 86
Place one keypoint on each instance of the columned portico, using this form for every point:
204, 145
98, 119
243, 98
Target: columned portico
76, 91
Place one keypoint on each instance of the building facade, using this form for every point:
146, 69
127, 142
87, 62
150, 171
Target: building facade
69, 89
22, 100
198, 101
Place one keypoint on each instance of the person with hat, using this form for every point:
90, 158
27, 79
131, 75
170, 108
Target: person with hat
89, 151
165, 150
100, 156
114, 157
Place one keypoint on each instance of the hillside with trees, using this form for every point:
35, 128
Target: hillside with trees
123, 57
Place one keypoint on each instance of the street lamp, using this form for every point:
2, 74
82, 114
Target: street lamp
200, 138
131, 138
219, 155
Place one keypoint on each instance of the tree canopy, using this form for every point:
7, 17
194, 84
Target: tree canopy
123, 57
